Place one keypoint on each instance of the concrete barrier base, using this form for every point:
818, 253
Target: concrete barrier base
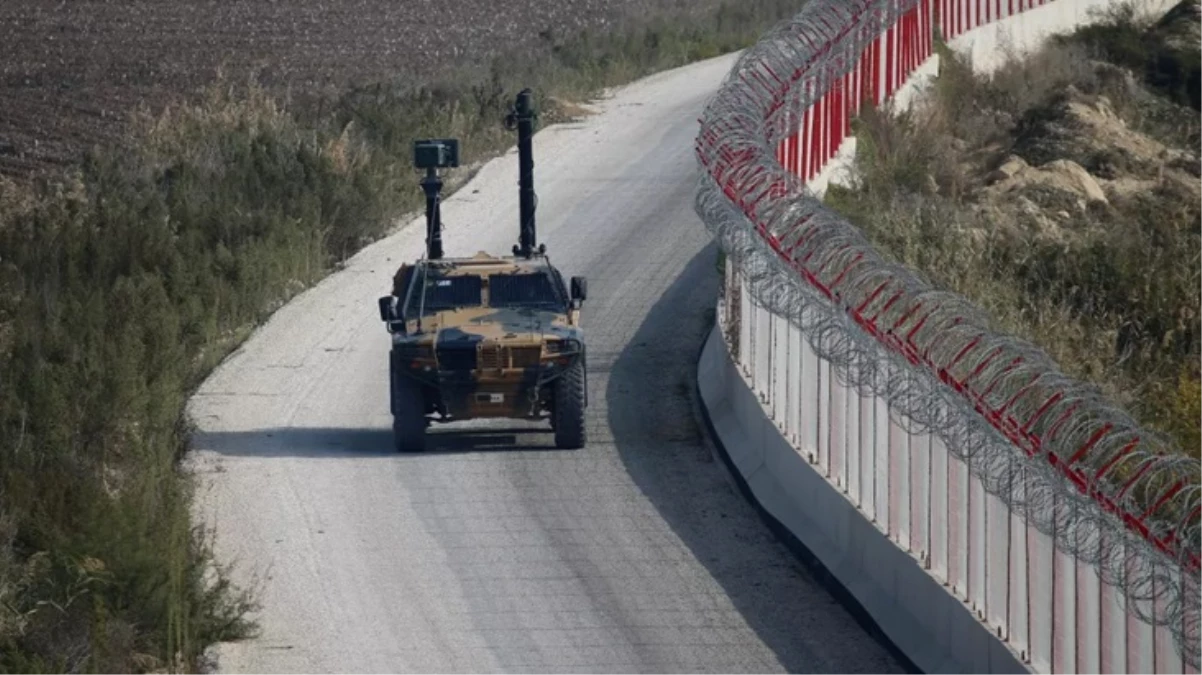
879, 581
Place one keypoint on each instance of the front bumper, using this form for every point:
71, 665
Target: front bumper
465, 386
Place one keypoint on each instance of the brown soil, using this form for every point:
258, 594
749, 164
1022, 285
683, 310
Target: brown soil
1077, 151
70, 73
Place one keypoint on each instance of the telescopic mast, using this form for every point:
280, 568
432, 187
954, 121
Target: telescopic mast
523, 118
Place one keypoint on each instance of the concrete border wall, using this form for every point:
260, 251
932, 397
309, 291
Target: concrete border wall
952, 577
936, 631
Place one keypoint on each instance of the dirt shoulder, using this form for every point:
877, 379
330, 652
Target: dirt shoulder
1063, 196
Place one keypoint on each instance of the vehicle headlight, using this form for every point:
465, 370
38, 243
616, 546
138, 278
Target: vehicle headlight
414, 352
558, 347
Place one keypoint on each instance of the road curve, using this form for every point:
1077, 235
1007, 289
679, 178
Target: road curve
494, 551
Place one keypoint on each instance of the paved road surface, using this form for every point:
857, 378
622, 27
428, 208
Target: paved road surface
494, 551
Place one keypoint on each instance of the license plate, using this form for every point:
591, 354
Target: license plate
490, 398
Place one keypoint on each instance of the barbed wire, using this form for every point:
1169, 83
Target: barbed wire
1114, 495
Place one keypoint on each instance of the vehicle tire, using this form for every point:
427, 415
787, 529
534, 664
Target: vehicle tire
408, 418
568, 420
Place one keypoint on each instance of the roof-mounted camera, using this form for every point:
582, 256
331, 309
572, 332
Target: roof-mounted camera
436, 153
432, 155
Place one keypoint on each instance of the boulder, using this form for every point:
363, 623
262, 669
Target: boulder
1074, 178
1008, 169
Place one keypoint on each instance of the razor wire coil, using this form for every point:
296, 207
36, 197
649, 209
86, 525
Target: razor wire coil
1114, 495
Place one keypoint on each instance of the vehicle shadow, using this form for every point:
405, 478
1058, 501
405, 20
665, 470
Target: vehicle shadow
653, 409
343, 443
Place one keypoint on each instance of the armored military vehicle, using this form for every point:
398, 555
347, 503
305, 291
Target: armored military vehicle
486, 336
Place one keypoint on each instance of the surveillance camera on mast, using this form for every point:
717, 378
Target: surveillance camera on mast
522, 118
432, 155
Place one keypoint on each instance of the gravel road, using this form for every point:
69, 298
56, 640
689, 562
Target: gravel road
494, 551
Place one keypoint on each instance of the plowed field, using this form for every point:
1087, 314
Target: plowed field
71, 72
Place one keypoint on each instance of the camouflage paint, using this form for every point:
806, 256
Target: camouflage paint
481, 361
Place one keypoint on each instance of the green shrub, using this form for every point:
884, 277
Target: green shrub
1165, 52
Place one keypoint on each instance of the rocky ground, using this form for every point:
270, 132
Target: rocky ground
1078, 154
71, 72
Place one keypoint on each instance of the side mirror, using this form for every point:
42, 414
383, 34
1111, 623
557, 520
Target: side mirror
391, 314
387, 309
579, 289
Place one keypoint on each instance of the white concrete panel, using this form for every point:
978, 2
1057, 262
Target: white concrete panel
867, 498
1140, 646
793, 362
1040, 580
920, 494
750, 420
746, 311
838, 436
881, 426
1019, 634
899, 484
1113, 634
1168, 659
809, 401
997, 565
824, 417
762, 352
938, 510
768, 388
1089, 619
855, 449
1064, 613
957, 523
780, 370
976, 545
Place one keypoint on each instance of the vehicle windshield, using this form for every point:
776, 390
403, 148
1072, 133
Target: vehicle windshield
523, 290
443, 293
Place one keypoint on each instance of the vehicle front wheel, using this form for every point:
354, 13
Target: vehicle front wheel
408, 417
568, 420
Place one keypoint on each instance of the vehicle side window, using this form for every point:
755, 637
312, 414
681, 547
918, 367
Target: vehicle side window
559, 284
400, 281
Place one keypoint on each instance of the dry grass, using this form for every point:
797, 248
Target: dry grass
1111, 289
125, 279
